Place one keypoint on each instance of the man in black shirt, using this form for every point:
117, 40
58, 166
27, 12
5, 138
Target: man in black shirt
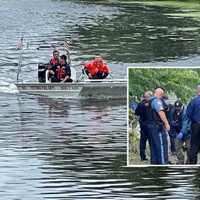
142, 111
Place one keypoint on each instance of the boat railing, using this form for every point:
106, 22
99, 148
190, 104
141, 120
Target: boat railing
76, 77
105, 80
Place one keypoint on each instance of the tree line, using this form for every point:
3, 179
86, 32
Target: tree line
179, 81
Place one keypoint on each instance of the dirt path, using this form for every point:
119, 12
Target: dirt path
134, 157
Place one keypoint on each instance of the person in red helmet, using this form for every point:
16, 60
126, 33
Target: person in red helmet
97, 69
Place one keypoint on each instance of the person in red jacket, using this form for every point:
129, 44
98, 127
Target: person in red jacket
56, 72
97, 69
55, 60
52, 66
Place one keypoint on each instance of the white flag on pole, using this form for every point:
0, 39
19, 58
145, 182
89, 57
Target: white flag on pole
20, 43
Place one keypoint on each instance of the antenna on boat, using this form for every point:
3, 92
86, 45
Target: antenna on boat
73, 70
66, 47
20, 48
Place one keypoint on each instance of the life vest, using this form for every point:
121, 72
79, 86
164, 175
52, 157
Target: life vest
103, 68
91, 68
54, 61
60, 73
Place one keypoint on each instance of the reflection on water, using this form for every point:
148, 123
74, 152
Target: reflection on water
54, 107
61, 151
162, 183
78, 153
57, 149
142, 34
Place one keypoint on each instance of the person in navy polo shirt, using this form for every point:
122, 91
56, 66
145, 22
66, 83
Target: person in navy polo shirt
193, 113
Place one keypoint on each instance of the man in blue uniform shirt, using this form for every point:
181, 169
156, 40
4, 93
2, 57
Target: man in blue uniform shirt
193, 113
158, 129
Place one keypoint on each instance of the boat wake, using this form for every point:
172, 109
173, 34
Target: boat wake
6, 87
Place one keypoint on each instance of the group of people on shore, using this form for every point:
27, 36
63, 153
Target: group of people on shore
162, 123
59, 69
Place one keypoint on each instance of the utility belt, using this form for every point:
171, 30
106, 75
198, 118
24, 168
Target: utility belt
153, 119
158, 125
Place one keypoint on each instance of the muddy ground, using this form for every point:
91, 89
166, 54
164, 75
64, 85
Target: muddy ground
134, 156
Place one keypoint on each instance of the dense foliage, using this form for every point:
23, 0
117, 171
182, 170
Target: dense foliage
181, 82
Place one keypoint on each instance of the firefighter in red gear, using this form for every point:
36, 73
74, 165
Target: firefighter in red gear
97, 69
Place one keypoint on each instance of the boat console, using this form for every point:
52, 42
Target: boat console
42, 72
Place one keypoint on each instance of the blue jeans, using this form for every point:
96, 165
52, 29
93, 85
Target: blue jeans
158, 144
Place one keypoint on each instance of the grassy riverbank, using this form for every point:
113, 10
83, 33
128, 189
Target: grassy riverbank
134, 154
182, 6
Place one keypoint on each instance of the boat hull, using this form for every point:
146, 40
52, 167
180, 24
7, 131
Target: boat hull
86, 89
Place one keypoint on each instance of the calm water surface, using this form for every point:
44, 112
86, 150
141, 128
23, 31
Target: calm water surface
57, 149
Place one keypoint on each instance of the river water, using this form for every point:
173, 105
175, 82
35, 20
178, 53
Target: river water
58, 149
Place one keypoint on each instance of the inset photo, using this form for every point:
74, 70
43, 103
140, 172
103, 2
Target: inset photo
163, 116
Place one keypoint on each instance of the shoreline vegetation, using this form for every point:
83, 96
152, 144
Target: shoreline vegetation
149, 1
182, 6
190, 4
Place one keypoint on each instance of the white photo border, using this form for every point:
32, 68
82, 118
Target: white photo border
127, 136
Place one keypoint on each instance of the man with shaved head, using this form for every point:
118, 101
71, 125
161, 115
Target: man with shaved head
142, 111
158, 128
193, 113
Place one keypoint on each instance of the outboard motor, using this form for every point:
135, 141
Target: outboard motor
42, 72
